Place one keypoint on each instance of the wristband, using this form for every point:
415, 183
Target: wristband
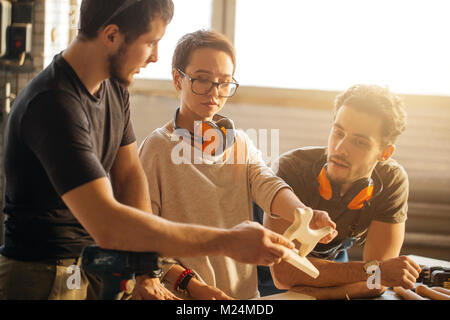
183, 285
180, 278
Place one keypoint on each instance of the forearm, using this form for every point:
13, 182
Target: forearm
174, 272
284, 204
384, 241
195, 287
357, 290
332, 273
142, 232
116, 226
380, 256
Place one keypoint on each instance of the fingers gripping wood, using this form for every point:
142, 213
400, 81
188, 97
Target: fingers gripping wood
308, 239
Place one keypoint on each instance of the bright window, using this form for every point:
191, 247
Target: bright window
331, 45
56, 25
189, 16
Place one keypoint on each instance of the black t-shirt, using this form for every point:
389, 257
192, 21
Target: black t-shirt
58, 137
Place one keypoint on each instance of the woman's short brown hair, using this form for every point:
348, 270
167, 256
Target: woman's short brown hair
198, 40
380, 102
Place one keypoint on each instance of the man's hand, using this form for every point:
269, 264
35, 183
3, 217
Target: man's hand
320, 220
249, 242
201, 291
399, 272
148, 288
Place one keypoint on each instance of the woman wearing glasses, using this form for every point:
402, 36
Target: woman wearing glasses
201, 170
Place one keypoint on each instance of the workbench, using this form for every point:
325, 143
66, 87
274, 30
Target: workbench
389, 294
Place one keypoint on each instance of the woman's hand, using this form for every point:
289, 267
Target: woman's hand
320, 220
148, 288
201, 291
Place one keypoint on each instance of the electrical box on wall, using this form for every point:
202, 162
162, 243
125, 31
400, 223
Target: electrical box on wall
20, 31
5, 22
16, 35
20, 39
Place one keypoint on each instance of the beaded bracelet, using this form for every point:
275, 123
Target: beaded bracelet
183, 285
181, 277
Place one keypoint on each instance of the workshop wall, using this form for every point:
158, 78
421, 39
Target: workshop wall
19, 80
423, 149
52, 25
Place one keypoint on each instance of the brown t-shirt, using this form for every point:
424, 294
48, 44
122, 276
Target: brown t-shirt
300, 167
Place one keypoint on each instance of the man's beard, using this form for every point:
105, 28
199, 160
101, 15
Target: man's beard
339, 181
115, 61
336, 179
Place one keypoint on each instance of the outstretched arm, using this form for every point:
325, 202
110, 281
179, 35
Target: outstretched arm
120, 227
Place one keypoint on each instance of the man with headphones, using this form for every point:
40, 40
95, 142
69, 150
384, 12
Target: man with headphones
363, 189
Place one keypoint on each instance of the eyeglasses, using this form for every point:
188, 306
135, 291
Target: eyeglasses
125, 5
204, 86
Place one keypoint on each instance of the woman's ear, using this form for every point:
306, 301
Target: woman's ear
387, 152
176, 77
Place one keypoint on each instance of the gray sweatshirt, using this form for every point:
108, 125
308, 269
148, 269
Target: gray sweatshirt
218, 192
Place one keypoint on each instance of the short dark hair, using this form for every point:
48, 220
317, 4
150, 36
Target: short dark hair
198, 40
132, 22
378, 101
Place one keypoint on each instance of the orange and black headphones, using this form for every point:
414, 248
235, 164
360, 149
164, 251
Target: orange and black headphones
359, 194
222, 126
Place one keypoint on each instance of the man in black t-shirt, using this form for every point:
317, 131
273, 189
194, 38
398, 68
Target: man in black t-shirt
73, 175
